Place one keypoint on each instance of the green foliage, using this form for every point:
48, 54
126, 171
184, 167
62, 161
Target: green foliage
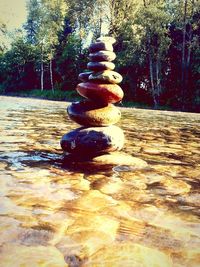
157, 42
71, 61
17, 66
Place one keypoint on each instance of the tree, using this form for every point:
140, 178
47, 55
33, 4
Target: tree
17, 66
45, 20
3, 33
153, 20
184, 45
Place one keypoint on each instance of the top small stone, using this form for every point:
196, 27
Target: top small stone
107, 39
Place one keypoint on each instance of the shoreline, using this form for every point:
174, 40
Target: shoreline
119, 106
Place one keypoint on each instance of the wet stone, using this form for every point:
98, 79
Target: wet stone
117, 161
89, 113
120, 159
93, 140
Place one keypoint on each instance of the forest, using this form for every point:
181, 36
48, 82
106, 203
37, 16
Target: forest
158, 50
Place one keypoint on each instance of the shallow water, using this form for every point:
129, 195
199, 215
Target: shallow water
53, 216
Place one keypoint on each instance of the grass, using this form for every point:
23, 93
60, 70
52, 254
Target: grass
48, 94
132, 104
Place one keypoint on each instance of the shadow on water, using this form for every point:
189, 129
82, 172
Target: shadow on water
44, 159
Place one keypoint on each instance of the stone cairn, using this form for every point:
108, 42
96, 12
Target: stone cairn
98, 135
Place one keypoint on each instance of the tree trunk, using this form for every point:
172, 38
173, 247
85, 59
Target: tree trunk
158, 85
42, 72
51, 75
100, 26
150, 64
152, 79
188, 57
183, 65
187, 67
144, 2
151, 72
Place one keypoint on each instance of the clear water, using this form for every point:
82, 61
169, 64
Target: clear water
56, 216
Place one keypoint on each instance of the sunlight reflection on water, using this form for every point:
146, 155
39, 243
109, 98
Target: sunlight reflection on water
56, 216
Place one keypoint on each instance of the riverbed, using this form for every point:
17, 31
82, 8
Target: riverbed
54, 215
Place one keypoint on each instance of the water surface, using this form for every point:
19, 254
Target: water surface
53, 216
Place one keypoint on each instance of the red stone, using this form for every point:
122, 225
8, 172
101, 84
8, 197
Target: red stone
105, 93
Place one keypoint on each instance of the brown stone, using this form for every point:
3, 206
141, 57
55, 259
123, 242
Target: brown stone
84, 76
102, 56
106, 76
100, 46
98, 66
89, 113
105, 93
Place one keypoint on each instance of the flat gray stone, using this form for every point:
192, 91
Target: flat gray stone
94, 47
98, 66
102, 56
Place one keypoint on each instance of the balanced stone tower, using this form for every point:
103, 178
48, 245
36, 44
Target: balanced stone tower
96, 114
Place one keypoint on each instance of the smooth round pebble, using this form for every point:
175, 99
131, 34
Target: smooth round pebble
102, 56
93, 140
98, 66
105, 93
84, 76
106, 76
94, 47
89, 113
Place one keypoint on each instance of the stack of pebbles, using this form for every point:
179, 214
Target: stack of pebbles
98, 135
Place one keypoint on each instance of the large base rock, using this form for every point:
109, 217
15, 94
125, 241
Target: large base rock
93, 140
119, 158
104, 162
